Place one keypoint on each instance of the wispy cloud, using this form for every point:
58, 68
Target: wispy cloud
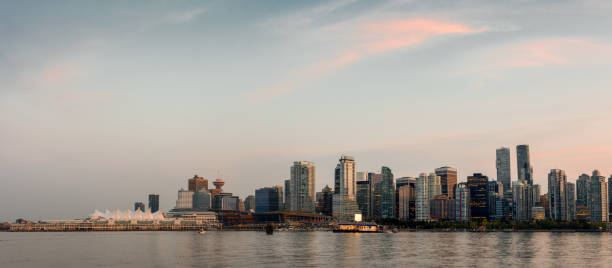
184, 16
60, 72
366, 40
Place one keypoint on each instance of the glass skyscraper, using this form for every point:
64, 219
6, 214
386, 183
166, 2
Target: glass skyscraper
267, 199
387, 194
523, 163
448, 180
479, 196
557, 195
154, 202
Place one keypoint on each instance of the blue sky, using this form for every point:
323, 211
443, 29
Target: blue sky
103, 103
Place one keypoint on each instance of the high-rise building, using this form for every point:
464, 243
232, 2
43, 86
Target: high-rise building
557, 195
249, 203
281, 203
422, 198
201, 200
399, 182
154, 202
448, 180
139, 206
324, 202
496, 195
462, 202
184, 200
302, 186
583, 188
598, 198
610, 198
544, 202
442, 208
502, 164
374, 179
407, 199
362, 176
434, 186
230, 203
523, 163
363, 197
344, 205
387, 194
479, 196
571, 201
522, 199
196, 183
287, 201
267, 199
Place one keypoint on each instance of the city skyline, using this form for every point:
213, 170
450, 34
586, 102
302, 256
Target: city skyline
131, 98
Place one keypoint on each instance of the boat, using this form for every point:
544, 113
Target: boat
358, 227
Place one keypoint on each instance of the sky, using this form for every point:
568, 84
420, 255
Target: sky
104, 102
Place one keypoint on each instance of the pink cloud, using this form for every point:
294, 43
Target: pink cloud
372, 39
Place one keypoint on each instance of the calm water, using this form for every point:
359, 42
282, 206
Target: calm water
220, 249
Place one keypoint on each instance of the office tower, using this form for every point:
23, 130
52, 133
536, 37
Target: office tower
448, 180
139, 206
523, 195
154, 202
344, 205
502, 164
544, 202
249, 203
231, 203
598, 198
434, 185
496, 191
217, 200
287, 200
557, 195
184, 200
281, 203
535, 192
479, 196
387, 194
196, 183
571, 201
462, 202
422, 198
523, 163
302, 186
267, 199
363, 198
324, 202
583, 187
406, 199
610, 198
442, 208
201, 200
374, 179
399, 182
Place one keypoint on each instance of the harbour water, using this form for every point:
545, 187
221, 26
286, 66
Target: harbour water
305, 249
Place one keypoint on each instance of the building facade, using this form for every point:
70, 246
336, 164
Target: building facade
523, 163
448, 180
598, 202
387, 186
462, 202
422, 198
202, 200
302, 186
557, 195
184, 200
154, 202
139, 206
249, 203
479, 196
268, 199
196, 183
344, 201
502, 164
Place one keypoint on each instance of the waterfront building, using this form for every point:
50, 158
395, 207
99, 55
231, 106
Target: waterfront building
267, 199
442, 208
557, 195
610, 198
230, 203
502, 163
387, 194
154, 202
362, 176
217, 201
218, 183
325, 200
422, 198
448, 180
287, 199
523, 163
407, 200
496, 191
196, 183
583, 187
598, 198
399, 182
184, 200
363, 197
344, 201
434, 186
249, 203
374, 179
462, 202
201, 200
139, 206
544, 202
538, 213
302, 186
571, 201
281, 203
522, 196
479, 196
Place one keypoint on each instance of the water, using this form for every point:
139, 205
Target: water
310, 249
